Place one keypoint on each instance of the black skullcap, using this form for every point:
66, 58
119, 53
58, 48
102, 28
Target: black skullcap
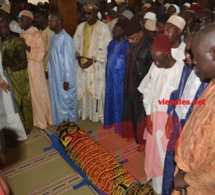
123, 23
134, 27
163, 18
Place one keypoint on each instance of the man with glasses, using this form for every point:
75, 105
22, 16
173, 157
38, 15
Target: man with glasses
91, 40
206, 17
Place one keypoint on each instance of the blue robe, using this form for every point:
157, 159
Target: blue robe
177, 126
62, 68
115, 72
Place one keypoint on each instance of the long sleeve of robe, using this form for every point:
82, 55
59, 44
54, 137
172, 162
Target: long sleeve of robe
190, 88
195, 148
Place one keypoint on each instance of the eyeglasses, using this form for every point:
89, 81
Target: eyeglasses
88, 13
203, 19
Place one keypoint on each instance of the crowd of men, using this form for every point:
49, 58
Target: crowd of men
137, 70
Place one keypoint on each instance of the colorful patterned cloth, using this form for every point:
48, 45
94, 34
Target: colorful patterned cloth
100, 167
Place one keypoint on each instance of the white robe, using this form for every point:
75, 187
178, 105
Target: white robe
179, 53
157, 85
91, 81
9, 112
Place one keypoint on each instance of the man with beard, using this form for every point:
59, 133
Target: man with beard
173, 29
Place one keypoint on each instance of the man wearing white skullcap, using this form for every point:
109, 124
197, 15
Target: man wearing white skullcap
150, 16
187, 5
173, 29
173, 10
127, 14
150, 26
26, 13
114, 19
35, 52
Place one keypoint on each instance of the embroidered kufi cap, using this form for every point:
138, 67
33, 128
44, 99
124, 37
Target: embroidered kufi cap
148, 5
26, 13
150, 16
177, 21
91, 7
150, 25
127, 14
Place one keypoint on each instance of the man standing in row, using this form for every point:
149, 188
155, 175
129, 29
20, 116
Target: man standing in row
62, 72
35, 53
162, 78
14, 61
139, 61
115, 72
195, 149
91, 40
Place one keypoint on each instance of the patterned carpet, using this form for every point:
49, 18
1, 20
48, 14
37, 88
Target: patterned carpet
30, 170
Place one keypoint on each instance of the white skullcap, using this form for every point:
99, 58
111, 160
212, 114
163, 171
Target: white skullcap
177, 21
150, 25
167, 5
26, 13
187, 5
148, 5
150, 16
176, 8
127, 14
6, 7
115, 9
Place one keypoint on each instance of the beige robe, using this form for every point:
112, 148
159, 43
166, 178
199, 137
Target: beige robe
195, 149
39, 91
91, 81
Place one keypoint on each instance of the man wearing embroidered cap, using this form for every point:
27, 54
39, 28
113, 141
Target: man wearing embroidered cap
138, 63
173, 9
173, 29
91, 40
162, 78
35, 50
